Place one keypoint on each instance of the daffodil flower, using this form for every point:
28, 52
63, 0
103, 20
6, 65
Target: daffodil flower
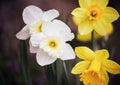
94, 67
94, 15
51, 43
34, 18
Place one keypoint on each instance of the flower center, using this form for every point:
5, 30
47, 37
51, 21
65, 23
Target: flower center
39, 27
52, 44
94, 12
36, 28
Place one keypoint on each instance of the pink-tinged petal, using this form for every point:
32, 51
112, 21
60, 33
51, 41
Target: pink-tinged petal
50, 15
68, 53
43, 58
32, 14
33, 49
23, 34
36, 38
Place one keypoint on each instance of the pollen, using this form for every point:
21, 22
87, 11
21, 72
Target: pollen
52, 44
94, 12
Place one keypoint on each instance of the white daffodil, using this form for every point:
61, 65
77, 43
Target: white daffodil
52, 43
34, 18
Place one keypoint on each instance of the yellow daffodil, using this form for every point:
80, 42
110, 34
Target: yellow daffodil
94, 15
34, 18
51, 43
94, 67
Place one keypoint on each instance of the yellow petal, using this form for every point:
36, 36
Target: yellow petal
87, 37
111, 66
100, 27
79, 12
84, 38
77, 20
101, 3
80, 67
85, 27
102, 54
84, 3
84, 53
109, 28
105, 75
110, 14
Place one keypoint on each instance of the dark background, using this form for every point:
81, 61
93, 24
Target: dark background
11, 22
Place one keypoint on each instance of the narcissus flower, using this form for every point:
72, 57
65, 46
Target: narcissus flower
94, 67
34, 18
94, 15
51, 43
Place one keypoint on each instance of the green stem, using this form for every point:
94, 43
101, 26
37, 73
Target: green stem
52, 80
25, 63
66, 73
92, 40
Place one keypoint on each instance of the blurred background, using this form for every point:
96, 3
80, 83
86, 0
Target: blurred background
11, 22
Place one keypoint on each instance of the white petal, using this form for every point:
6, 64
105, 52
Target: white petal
32, 14
50, 15
43, 58
69, 37
68, 53
56, 26
33, 49
61, 26
24, 33
36, 38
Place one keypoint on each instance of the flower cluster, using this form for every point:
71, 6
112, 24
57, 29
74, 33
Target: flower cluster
93, 17
48, 38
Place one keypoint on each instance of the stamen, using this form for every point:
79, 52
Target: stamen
93, 13
52, 44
